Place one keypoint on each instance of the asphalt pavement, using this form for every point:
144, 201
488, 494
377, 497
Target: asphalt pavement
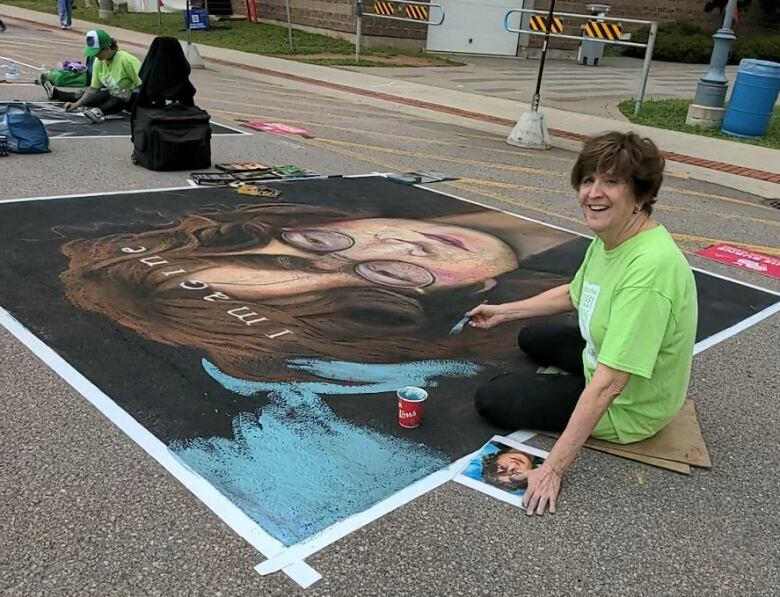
84, 511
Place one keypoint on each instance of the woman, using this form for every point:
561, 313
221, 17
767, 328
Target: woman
115, 78
636, 302
258, 284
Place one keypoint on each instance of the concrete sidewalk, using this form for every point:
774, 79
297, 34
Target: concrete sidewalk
740, 166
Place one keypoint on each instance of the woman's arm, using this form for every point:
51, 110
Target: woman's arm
88, 95
544, 483
549, 302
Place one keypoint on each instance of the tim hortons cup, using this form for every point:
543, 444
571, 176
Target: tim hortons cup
410, 406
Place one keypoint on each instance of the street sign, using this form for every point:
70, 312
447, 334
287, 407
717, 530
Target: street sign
416, 11
539, 23
384, 8
603, 30
198, 19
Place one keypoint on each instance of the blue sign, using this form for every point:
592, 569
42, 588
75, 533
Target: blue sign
198, 19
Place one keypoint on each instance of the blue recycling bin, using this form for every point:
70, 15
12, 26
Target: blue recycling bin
752, 99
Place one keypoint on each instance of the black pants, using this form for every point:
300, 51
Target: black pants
526, 399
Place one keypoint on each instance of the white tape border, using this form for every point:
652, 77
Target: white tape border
246, 528
310, 546
237, 132
20, 62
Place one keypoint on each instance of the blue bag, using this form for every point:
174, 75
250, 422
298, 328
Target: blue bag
25, 131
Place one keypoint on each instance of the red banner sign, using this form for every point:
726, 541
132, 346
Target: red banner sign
279, 128
742, 258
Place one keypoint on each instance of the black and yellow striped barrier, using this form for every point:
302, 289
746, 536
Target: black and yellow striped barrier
602, 30
416, 11
384, 8
539, 23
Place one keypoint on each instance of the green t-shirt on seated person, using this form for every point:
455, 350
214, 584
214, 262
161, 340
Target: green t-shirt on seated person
119, 74
637, 312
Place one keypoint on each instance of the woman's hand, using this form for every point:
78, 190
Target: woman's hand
70, 106
544, 484
487, 316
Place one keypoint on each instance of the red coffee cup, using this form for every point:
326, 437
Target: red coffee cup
410, 406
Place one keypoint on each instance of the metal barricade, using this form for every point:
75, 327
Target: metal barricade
414, 11
588, 18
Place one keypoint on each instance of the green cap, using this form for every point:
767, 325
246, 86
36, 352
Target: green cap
97, 40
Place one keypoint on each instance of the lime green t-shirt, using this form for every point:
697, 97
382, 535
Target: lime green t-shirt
637, 312
119, 74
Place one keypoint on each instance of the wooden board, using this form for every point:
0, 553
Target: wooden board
679, 443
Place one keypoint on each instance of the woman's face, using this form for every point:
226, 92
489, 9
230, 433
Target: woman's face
396, 253
607, 203
514, 461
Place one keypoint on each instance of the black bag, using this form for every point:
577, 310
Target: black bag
173, 137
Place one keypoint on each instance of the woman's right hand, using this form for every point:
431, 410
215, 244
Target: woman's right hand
487, 316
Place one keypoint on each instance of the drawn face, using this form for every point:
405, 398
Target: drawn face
607, 203
510, 464
396, 253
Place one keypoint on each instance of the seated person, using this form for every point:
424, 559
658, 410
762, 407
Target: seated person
628, 362
115, 77
74, 75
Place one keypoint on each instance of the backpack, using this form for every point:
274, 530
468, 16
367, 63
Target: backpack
67, 78
25, 131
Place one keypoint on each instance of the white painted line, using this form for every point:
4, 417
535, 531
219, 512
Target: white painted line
238, 131
99, 194
246, 528
736, 328
333, 533
734, 280
20, 62
67, 136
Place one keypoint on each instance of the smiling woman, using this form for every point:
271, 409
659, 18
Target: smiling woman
626, 366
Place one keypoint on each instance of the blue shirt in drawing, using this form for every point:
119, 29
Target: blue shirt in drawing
296, 468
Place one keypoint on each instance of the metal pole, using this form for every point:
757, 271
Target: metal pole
646, 67
159, 16
712, 87
358, 29
535, 102
289, 26
189, 31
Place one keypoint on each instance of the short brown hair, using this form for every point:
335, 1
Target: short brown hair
635, 159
